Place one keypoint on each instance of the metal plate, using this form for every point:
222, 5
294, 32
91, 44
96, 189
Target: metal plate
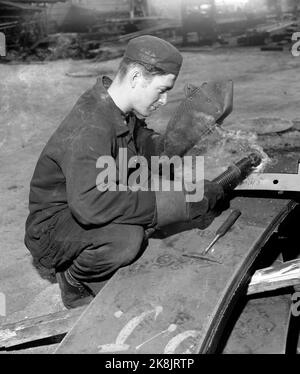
167, 303
261, 328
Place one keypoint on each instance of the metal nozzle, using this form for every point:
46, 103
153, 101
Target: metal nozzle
238, 171
255, 158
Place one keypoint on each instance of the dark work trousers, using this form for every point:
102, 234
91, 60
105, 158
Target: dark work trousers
91, 254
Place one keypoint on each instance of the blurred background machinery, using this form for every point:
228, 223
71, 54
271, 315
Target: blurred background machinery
87, 25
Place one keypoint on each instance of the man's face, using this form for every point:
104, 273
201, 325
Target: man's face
151, 93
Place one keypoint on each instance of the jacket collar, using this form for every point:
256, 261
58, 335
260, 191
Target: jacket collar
118, 117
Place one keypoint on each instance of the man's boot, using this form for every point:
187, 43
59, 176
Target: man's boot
73, 292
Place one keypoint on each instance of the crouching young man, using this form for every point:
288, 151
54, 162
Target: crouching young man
85, 233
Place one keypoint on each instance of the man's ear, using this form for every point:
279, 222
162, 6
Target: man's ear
134, 76
189, 89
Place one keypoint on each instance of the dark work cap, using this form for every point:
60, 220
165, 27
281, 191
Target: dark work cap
156, 52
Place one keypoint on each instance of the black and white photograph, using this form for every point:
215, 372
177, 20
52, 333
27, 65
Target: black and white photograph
150, 180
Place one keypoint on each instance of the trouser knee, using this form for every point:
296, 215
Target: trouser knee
125, 249
123, 246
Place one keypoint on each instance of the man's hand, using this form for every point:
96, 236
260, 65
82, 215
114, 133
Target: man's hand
212, 198
172, 206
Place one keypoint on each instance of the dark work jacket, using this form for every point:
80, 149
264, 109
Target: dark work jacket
66, 172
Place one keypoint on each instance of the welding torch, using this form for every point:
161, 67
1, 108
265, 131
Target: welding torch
229, 179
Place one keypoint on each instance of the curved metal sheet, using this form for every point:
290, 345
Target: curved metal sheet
168, 303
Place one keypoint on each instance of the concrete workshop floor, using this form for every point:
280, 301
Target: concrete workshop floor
35, 98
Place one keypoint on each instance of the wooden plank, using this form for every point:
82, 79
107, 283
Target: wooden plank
272, 28
274, 277
41, 1
36, 328
149, 30
13, 23
21, 6
167, 303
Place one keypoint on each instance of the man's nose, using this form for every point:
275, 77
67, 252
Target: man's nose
163, 98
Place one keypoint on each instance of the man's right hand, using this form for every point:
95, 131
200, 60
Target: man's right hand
212, 197
172, 206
